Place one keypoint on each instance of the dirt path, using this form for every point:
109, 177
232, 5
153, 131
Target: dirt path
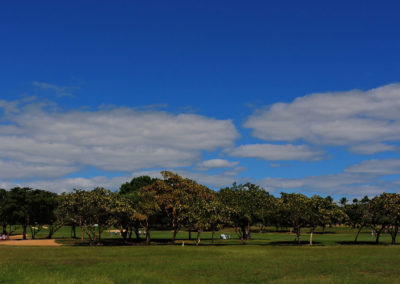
18, 242
15, 237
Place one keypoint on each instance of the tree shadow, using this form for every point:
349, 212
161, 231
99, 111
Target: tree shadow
369, 243
324, 233
292, 243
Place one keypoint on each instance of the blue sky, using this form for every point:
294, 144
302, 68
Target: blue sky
292, 95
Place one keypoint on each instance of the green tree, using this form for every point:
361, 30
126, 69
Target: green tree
323, 211
244, 202
356, 214
201, 208
73, 208
135, 184
218, 216
122, 213
376, 216
295, 212
30, 208
99, 203
42, 206
8, 218
343, 201
130, 190
392, 211
4, 213
92, 210
148, 210
172, 195
20, 206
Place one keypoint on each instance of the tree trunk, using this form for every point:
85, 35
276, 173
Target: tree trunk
148, 240
24, 232
82, 233
51, 232
261, 228
244, 235
394, 234
130, 232
212, 237
190, 235
378, 234
73, 230
174, 235
98, 236
54, 228
358, 232
5, 229
137, 233
124, 234
297, 231
198, 238
9, 232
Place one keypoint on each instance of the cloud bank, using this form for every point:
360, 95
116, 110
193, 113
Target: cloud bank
39, 140
363, 121
44, 146
273, 152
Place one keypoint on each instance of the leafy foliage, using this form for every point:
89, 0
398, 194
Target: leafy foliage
145, 203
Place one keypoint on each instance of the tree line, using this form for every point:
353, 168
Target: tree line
177, 203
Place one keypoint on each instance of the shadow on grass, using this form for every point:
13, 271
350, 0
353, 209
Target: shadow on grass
207, 243
292, 243
369, 243
117, 242
104, 242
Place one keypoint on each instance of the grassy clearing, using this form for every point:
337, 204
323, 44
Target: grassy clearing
268, 257
204, 264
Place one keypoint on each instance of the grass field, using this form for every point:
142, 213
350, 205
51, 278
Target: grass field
269, 257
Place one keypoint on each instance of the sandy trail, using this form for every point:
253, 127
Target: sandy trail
15, 237
17, 240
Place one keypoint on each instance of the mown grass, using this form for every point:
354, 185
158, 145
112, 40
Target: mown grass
268, 257
204, 264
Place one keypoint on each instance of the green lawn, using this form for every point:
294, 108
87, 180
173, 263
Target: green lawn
269, 257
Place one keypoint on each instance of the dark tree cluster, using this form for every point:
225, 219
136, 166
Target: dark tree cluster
380, 214
31, 209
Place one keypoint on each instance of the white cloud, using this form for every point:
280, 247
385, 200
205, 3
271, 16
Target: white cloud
216, 163
361, 120
216, 181
22, 170
372, 148
376, 167
234, 172
274, 152
61, 91
68, 184
60, 185
357, 180
113, 139
274, 165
